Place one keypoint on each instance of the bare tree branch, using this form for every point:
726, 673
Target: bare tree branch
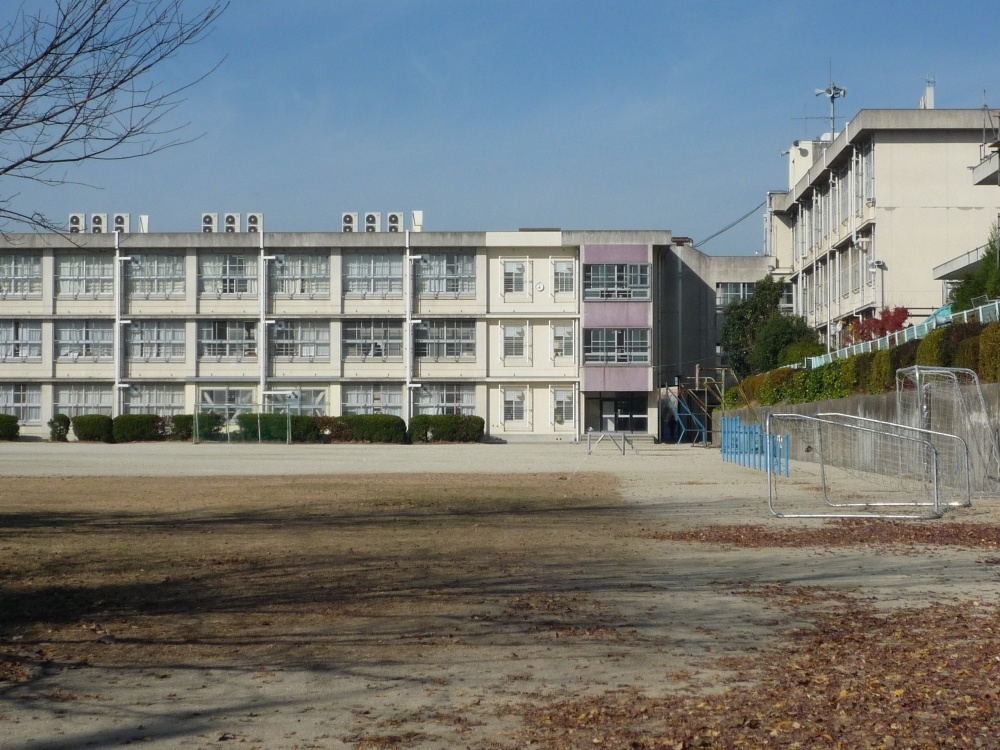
76, 85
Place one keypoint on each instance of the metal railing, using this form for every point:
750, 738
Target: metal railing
988, 313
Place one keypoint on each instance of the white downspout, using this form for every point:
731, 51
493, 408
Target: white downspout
262, 347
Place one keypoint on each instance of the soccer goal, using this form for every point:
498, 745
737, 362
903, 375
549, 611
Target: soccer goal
847, 467
950, 400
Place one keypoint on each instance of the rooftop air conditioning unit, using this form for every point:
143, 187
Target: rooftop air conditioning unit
418, 221
77, 223
255, 223
231, 222
209, 223
373, 221
395, 221
98, 223
121, 223
349, 222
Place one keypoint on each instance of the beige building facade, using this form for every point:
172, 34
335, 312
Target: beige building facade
869, 214
546, 334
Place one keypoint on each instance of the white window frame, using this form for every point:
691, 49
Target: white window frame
228, 275
300, 275
445, 338
156, 275
515, 407
303, 401
162, 399
230, 340
85, 339
514, 342
74, 399
85, 275
23, 400
563, 277
300, 339
367, 338
564, 340
606, 346
20, 275
372, 275
445, 398
615, 281
563, 407
515, 277
372, 398
20, 340
451, 274
227, 401
156, 340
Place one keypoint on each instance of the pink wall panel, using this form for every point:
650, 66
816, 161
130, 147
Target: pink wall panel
616, 254
617, 315
628, 379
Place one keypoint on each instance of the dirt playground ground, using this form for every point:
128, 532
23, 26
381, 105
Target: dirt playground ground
484, 596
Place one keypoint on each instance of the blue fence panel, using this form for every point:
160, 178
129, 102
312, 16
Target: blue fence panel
748, 445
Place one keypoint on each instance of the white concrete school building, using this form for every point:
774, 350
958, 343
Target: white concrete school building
544, 333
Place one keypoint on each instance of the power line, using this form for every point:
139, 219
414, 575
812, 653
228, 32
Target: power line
730, 226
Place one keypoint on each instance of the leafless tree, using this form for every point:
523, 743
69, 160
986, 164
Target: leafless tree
77, 84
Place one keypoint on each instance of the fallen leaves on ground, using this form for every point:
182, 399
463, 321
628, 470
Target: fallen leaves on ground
855, 678
842, 533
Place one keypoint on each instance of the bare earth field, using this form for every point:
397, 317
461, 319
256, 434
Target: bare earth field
486, 596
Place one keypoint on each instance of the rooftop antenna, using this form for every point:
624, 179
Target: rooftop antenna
927, 100
833, 92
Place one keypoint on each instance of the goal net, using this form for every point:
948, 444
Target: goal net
848, 467
950, 400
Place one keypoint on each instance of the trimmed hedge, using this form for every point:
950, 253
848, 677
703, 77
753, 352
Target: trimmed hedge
93, 428
376, 428
274, 427
333, 430
59, 428
967, 354
989, 354
935, 349
446, 428
181, 426
137, 428
9, 427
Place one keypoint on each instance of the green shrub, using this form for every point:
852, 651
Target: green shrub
136, 428
333, 430
446, 428
935, 349
209, 425
304, 429
798, 352
59, 428
263, 427
836, 380
93, 428
9, 427
774, 387
751, 386
967, 354
178, 427
376, 428
989, 353
904, 355
883, 376
862, 371
959, 332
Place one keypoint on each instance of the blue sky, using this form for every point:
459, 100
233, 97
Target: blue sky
496, 114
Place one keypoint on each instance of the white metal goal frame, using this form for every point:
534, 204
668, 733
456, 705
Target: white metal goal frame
954, 464
858, 470
951, 400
